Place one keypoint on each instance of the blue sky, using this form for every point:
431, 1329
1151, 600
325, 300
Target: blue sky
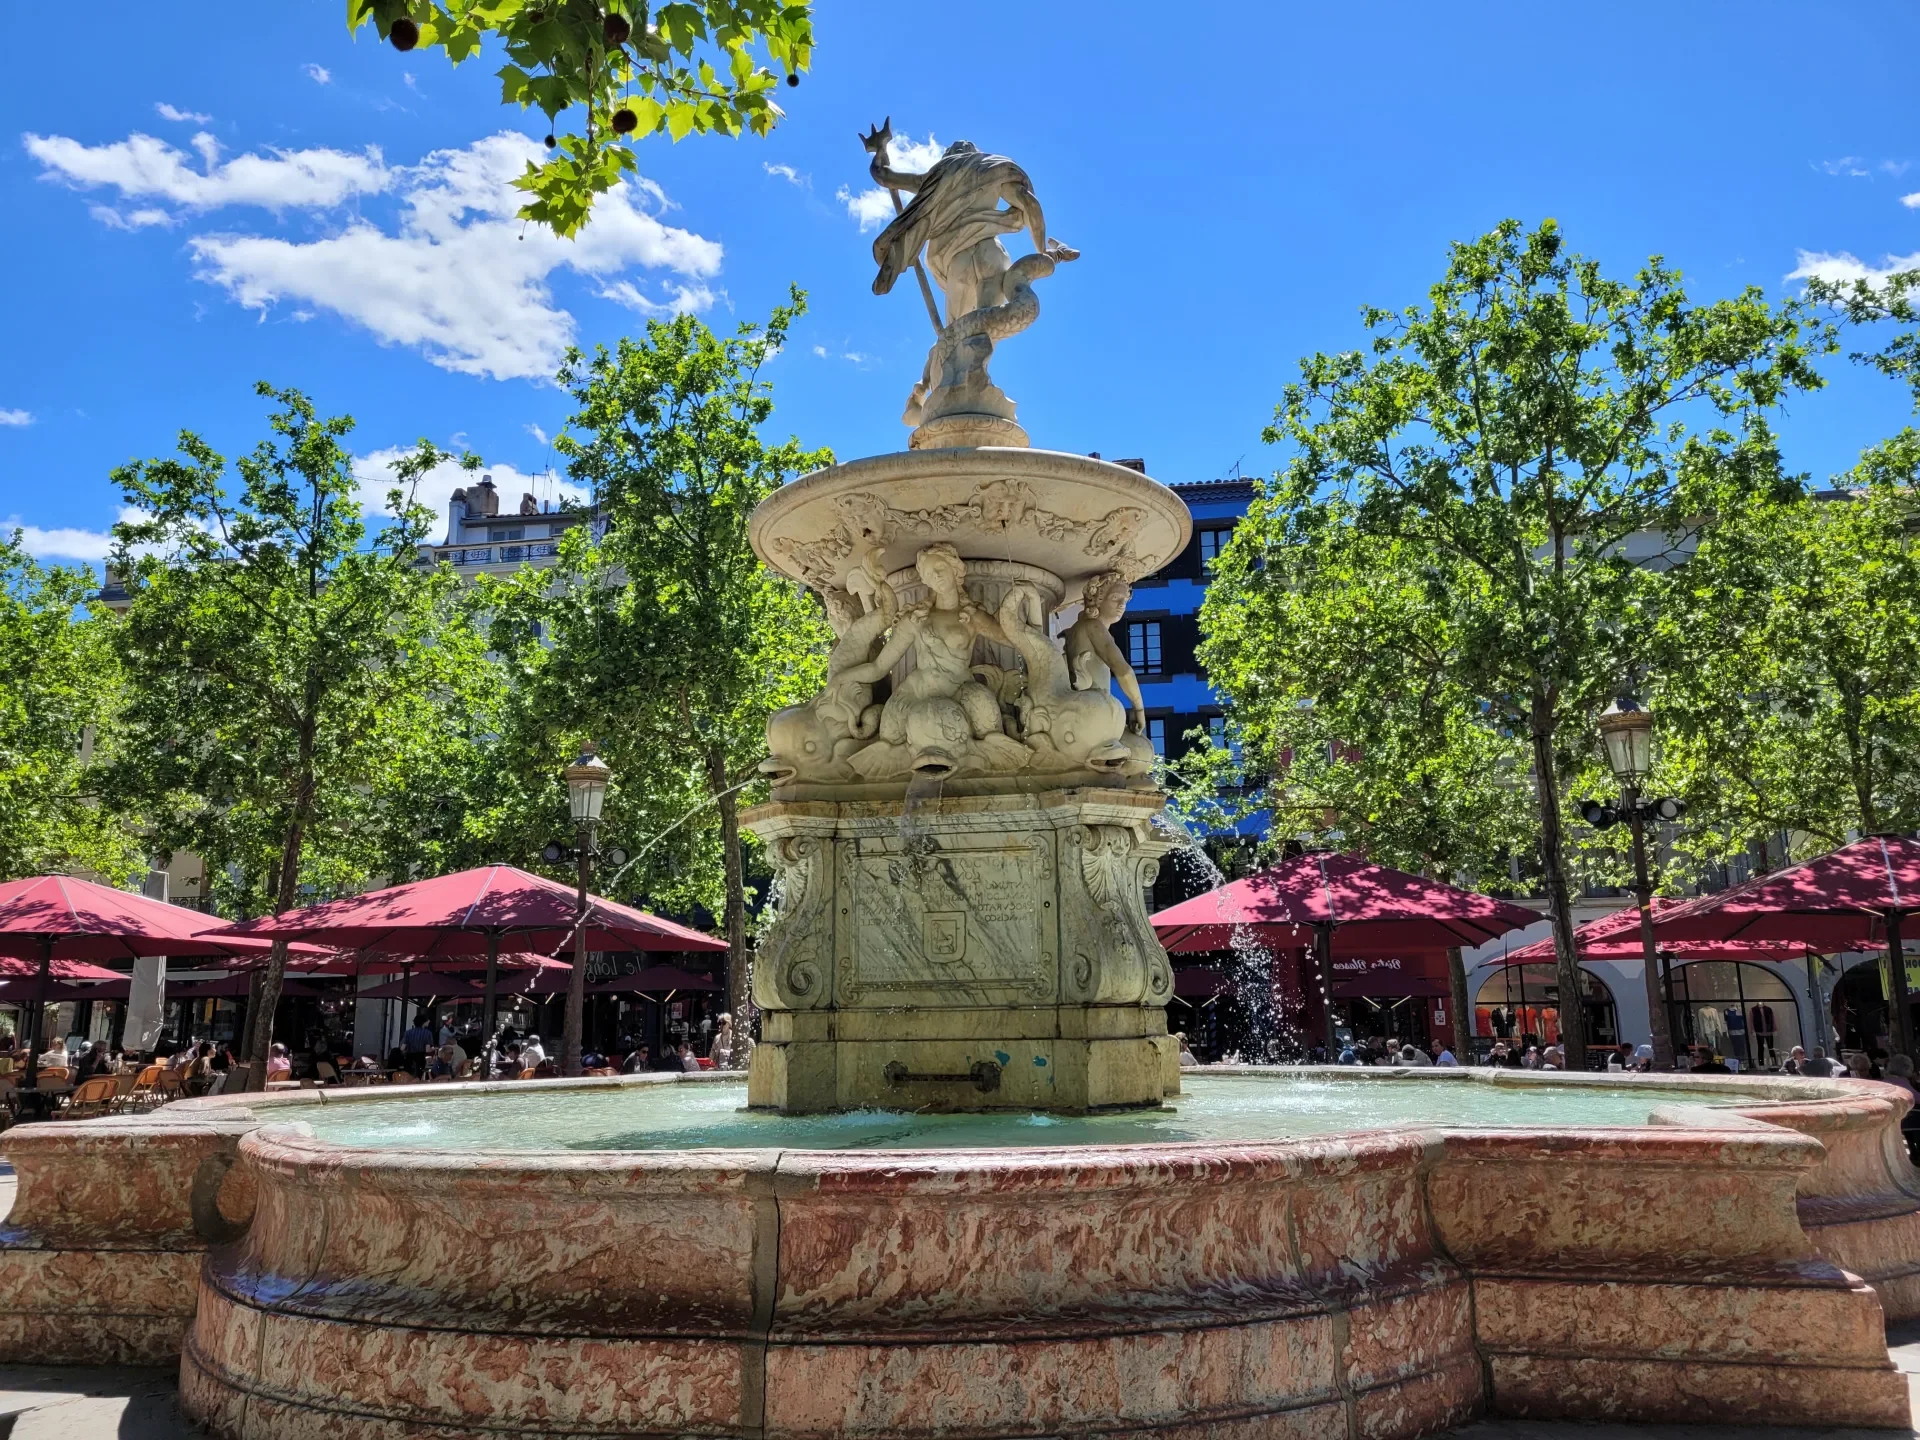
1238, 186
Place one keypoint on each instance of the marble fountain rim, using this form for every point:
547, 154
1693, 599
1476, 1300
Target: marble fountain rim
1121, 484
1841, 1103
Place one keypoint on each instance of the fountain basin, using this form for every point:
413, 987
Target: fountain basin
1391, 1280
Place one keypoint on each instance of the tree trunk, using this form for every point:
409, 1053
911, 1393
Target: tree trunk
273, 977
1462, 1005
739, 1001
1546, 790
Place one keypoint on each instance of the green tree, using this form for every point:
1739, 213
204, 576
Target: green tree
1339, 650
682, 69
1892, 301
1789, 689
275, 646
60, 696
1516, 433
669, 638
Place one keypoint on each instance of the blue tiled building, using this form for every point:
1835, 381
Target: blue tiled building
1161, 629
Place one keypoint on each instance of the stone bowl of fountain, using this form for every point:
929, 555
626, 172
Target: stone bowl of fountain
964, 1193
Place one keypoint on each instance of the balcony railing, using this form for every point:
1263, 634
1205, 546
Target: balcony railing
484, 554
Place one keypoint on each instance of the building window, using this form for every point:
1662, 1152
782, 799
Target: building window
1143, 647
1157, 735
1212, 542
518, 532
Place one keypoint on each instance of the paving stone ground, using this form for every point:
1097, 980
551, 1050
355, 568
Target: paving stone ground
58, 1402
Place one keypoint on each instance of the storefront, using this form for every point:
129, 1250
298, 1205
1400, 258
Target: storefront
1520, 1004
1743, 1010
1399, 997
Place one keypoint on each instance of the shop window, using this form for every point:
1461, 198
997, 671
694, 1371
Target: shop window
1520, 1004
1741, 1010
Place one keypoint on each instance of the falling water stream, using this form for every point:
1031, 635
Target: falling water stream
1269, 1033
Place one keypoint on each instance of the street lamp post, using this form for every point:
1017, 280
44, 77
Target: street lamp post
1626, 730
586, 790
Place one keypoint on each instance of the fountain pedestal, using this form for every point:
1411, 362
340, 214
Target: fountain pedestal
986, 951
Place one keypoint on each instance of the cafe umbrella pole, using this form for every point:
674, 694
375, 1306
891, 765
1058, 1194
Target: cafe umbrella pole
38, 1012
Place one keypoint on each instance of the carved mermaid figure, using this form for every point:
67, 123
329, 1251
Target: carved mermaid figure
939, 719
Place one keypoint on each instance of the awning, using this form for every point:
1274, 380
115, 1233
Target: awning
1200, 982
1420, 973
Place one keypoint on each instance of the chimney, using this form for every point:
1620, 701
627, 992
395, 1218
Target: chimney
1138, 465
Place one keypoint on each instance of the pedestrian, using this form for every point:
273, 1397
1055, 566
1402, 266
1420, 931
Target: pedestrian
1187, 1059
1900, 1072
1796, 1058
93, 1062
1818, 1066
414, 1045
721, 1051
199, 1077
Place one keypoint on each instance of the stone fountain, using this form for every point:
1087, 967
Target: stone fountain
960, 819
961, 822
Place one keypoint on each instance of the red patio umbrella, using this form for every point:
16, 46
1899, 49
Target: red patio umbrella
1616, 936
1849, 898
1343, 904
476, 912
1369, 910
55, 918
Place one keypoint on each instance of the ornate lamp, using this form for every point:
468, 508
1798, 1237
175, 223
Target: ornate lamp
1626, 729
587, 787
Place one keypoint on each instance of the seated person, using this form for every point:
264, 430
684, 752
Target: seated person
279, 1064
638, 1062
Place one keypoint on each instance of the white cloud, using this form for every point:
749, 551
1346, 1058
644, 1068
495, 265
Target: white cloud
64, 543
435, 489
788, 174
1844, 269
678, 299
539, 435
458, 276
873, 208
141, 167
131, 220
412, 83
821, 351
169, 112
67, 542
1853, 166
462, 279
1912, 202
319, 74
16, 417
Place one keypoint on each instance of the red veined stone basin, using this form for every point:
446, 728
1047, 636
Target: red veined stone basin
1733, 1263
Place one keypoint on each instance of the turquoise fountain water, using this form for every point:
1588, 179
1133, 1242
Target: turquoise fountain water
712, 1115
